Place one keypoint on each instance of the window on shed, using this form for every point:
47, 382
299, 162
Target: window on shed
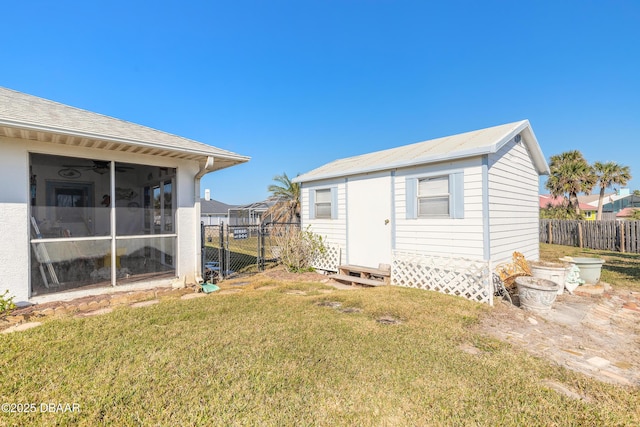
323, 203
433, 197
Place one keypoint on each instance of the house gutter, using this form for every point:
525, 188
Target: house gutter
205, 168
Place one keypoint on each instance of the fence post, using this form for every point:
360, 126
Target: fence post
550, 232
621, 231
260, 248
222, 266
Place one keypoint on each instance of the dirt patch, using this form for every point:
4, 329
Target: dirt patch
281, 274
598, 336
388, 320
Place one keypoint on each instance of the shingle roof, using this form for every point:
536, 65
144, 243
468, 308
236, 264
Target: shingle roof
30, 117
214, 207
469, 144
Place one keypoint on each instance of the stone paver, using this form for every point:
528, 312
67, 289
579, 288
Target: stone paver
145, 303
598, 362
21, 327
594, 335
193, 295
97, 312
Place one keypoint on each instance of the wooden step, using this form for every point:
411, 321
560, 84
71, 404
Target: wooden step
353, 280
363, 271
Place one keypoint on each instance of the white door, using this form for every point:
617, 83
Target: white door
369, 220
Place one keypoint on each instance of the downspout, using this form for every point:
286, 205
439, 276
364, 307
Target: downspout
204, 169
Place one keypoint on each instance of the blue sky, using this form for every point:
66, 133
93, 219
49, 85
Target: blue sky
296, 84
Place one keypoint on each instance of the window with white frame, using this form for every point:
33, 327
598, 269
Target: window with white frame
322, 204
437, 196
433, 197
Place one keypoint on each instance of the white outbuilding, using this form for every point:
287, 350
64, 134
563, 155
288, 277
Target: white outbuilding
91, 204
473, 196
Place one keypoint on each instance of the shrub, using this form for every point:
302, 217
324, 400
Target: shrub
6, 304
298, 248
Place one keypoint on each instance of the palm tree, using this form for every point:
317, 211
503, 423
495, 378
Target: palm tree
287, 197
609, 173
570, 174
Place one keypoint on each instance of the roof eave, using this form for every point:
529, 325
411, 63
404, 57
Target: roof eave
232, 158
531, 142
465, 154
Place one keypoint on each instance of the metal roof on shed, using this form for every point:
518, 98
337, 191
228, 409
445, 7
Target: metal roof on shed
469, 144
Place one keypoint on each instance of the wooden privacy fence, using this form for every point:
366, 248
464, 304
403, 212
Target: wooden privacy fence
622, 236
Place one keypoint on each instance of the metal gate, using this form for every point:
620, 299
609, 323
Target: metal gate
230, 251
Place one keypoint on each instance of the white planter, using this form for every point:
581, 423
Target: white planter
554, 271
536, 294
590, 269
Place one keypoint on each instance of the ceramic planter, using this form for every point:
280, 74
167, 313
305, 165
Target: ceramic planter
590, 269
554, 271
536, 294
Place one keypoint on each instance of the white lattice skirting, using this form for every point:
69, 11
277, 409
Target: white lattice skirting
467, 278
330, 260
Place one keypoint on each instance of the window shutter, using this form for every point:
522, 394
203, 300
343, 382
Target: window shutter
312, 204
334, 203
411, 186
456, 188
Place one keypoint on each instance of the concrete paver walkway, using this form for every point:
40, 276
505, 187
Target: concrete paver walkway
596, 335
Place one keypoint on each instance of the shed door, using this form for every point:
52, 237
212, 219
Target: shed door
369, 220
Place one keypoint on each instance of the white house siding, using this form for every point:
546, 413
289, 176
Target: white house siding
188, 250
513, 203
14, 202
333, 231
14, 250
458, 237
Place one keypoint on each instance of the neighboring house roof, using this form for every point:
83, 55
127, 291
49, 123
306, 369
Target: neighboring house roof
29, 117
257, 206
464, 145
593, 198
626, 212
546, 199
608, 198
214, 207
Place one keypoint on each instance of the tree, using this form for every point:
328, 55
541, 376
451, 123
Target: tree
287, 196
609, 173
570, 174
559, 212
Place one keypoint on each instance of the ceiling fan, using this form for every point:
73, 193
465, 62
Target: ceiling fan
100, 167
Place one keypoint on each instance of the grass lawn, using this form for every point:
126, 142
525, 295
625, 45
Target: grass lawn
278, 357
620, 269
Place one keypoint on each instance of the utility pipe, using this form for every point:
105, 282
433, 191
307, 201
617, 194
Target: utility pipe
204, 169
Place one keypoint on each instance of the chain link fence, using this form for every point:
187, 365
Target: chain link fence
230, 251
